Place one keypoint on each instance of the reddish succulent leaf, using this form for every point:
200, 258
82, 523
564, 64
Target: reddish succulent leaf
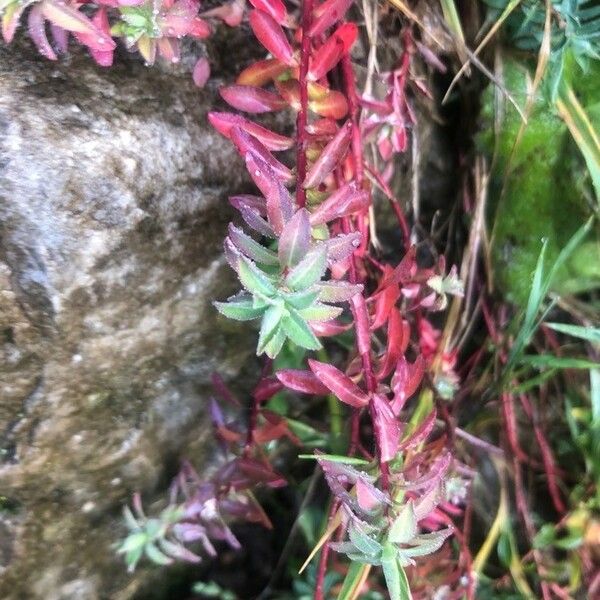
322, 127
266, 389
252, 99
339, 384
270, 34
395, 341
405, 270
333, 106
421, 432
247, 144
326, 14
343, 202
294, 242
363, 337
305, 382
275, 428
231, 13
178, 20
200, 29
67, 17
104, 58
201, 72
224, 122
384, 303
290, 92
405, 381
274, 8
329, 328
386, 426
330, 157
261, 72
36, 26
169, 49
331, 52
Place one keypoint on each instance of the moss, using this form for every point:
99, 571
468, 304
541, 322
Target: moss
545, 195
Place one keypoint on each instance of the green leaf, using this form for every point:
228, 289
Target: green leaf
299, 332
253, 279
353, 579
346, 460
404, 527
269, 327
301, 300
395, 577
135, 540
558, 362
310, 270
274, 345
363, 542
591, 334
239, 309
133, 557
321, 312
156, 556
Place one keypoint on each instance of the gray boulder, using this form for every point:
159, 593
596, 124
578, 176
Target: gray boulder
113, 207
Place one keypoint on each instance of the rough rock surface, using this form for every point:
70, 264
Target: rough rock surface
112, 211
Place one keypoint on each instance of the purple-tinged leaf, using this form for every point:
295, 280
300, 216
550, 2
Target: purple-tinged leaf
270, 34
279, 203
222, 390
343, 202
338, 291
342, 246
200, 29
254, 202
305, 382
339, 384
403, 272
69, 18
231, 253
294, 241
261, 72
330, 157
252, 99
104, 58
326, 14
274, 8
247, 144
387, 429
331, 52
36, 26
266, 389
310, 270
169, 49
224, 122
253, 219
425, 505
368, 496
201, 72
60, 37
421, 432
180, 552
251, 248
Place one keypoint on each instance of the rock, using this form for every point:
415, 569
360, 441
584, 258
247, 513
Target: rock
112, 213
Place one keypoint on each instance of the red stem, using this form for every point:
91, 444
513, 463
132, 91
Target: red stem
301, 121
